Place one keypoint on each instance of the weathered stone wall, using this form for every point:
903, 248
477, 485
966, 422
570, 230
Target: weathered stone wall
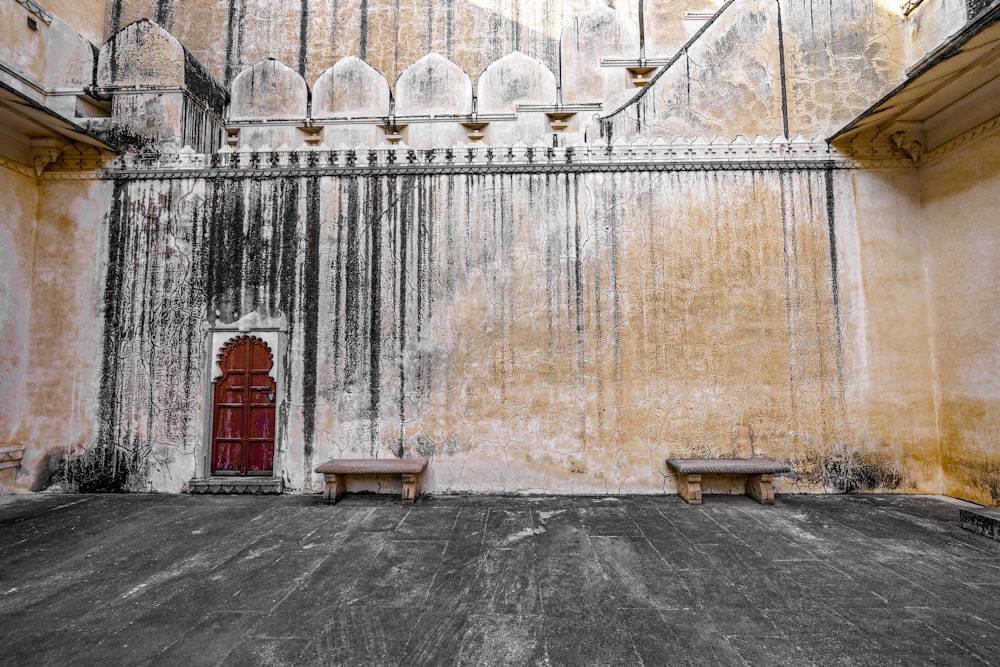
560, 328
963, 254
563, 332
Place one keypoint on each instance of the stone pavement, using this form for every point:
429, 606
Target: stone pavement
182, 580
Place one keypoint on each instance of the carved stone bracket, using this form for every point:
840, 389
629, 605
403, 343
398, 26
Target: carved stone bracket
44, 152
909, 139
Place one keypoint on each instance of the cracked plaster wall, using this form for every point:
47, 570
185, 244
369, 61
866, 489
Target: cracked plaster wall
767, 68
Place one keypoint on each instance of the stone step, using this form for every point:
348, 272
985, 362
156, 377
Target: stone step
982, 520
236, 486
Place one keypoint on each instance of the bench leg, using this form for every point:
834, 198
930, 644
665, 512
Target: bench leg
411, 488
689, 488
336, 487
760, 489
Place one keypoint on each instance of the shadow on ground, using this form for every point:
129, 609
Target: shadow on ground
171, 580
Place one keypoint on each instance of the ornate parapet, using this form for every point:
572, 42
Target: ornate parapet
678, 155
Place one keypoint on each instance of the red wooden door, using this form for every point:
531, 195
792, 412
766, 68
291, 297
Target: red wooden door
243, 415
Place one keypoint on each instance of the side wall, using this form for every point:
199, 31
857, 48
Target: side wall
60, 356
961, 195
886, 324
17, 248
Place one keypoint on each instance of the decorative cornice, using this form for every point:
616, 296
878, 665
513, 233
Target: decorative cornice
987, 128
698, 154
17, 167
37, 10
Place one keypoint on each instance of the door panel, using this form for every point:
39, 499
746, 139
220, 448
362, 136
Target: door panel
244, 413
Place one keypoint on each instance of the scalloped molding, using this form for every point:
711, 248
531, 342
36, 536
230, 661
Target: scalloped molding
19, 168
987, 128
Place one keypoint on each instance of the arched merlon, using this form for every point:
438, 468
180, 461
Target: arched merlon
143, 55
513, 80
584, 43
433, 85
270, 90
350, 89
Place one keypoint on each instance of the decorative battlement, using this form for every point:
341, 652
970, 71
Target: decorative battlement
680, 154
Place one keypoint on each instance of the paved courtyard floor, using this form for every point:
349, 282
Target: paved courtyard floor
472, 580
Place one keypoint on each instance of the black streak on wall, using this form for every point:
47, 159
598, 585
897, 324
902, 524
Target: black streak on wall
782, 75
164, 13
303, 37
310, 324
373, 218
831, 218
116, 16
109, 417
234, 38
363, 32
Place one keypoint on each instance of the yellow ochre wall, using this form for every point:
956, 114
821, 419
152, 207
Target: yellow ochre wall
961, 197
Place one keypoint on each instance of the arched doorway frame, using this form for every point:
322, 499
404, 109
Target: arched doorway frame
218, 338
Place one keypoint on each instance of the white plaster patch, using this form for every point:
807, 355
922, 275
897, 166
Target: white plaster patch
545, 516
520, 535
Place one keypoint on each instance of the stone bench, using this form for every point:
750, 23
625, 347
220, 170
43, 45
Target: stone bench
335, 472
759, 472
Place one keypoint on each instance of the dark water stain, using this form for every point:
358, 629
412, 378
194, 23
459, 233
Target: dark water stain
831, 218
449, 34
165, 13
363, 32
116, 21
782, 74
235, 34
225, 266
310, 316
573, 203
303, 36
373, 218
861, 472
405, 221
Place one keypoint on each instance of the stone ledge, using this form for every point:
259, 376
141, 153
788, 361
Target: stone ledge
255, 486
983, 521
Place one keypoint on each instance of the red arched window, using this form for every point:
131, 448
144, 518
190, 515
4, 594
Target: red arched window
243, 415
